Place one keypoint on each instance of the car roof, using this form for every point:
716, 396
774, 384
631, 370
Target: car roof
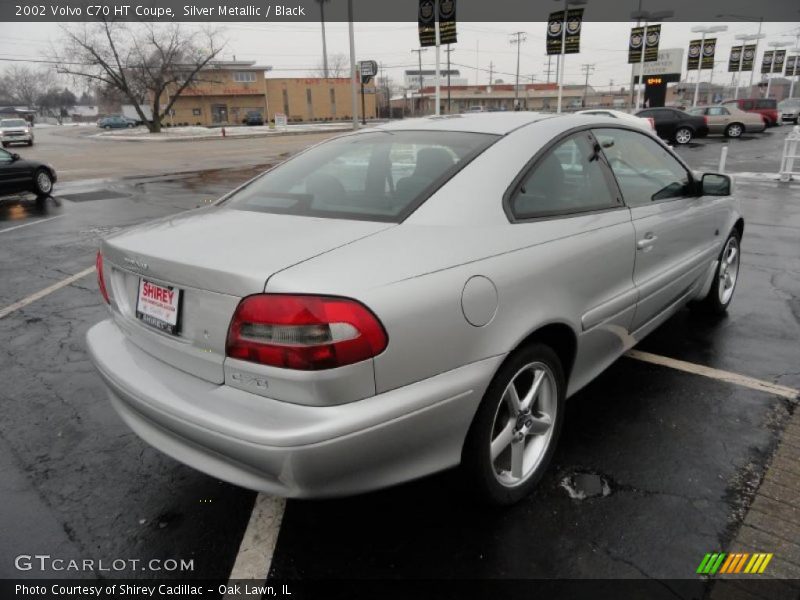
498, 123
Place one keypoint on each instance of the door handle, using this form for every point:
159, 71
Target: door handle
647, 241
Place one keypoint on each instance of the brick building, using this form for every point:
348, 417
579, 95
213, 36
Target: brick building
226, 91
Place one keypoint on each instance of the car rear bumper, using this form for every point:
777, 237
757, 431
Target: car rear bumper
289, 449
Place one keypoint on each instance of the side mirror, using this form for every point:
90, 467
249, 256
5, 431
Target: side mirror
716, 184
14, 156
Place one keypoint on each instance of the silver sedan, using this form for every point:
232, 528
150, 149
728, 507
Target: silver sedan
410, 298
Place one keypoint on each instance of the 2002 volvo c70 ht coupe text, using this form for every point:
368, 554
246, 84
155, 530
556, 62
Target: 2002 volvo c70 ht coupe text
413, 297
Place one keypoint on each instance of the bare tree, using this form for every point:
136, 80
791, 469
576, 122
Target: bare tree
338, 66
144, 62
25, 84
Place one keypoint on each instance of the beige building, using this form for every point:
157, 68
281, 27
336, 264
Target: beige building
317, 99
226, 91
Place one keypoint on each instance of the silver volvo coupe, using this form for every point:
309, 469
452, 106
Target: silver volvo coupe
406, 299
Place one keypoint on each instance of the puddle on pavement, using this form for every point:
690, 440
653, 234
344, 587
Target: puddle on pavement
582, 485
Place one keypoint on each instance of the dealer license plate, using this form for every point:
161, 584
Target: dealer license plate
159, 306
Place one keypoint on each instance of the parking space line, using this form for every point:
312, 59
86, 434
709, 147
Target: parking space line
258, 543
7, 229
718, 374
45, 292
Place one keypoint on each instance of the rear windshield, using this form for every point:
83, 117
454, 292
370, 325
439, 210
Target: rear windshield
13, 123
374, 176
766, 103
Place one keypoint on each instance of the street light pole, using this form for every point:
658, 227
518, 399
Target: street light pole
353, 72
755, 53
563, 55
704, 31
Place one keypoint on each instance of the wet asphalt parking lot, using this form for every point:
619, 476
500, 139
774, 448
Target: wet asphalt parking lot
655, 468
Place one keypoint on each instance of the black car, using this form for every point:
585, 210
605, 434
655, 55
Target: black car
675, 125
20, 175
253, 117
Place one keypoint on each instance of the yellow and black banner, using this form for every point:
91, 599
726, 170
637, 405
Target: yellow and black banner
427, 23
707, 51
734, 59
792, 66
778, 60
447, 22
749, 58
555, 24
650, 45
766, 61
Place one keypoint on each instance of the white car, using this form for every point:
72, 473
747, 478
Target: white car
15, 131
644, 123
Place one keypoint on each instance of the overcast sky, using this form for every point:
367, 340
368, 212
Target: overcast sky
295, 50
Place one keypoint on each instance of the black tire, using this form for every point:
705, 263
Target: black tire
683, 135
477, 469
713, 302
734, 130
42, 183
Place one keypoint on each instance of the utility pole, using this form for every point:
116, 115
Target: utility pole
491, 73
517, 38
587, 70
448, 50
325, 71
419, 52
549, 68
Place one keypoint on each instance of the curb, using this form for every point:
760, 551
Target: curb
202, 138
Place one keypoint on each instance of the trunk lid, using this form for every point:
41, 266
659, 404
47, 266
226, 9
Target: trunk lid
214, 256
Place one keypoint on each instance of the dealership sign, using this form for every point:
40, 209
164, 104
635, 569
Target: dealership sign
704, 48
555, 32
650, 45
793, 66
427, 22
668, 65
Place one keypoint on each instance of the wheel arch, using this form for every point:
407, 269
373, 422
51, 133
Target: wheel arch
559, 336
739, 226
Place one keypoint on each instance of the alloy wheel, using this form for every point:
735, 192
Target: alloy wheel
44, 183
728, 270
523, 424
683, 136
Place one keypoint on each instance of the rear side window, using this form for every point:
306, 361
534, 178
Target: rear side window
568, 179
767, 103
374, 176
747, 104
645, 170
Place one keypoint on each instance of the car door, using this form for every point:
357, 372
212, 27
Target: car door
665, 123
717, 118
15, 175
677, 233
570, 194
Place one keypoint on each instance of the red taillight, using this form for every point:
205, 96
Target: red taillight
101, 280
652, 123
308, 333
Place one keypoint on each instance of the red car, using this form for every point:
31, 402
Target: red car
766, 107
